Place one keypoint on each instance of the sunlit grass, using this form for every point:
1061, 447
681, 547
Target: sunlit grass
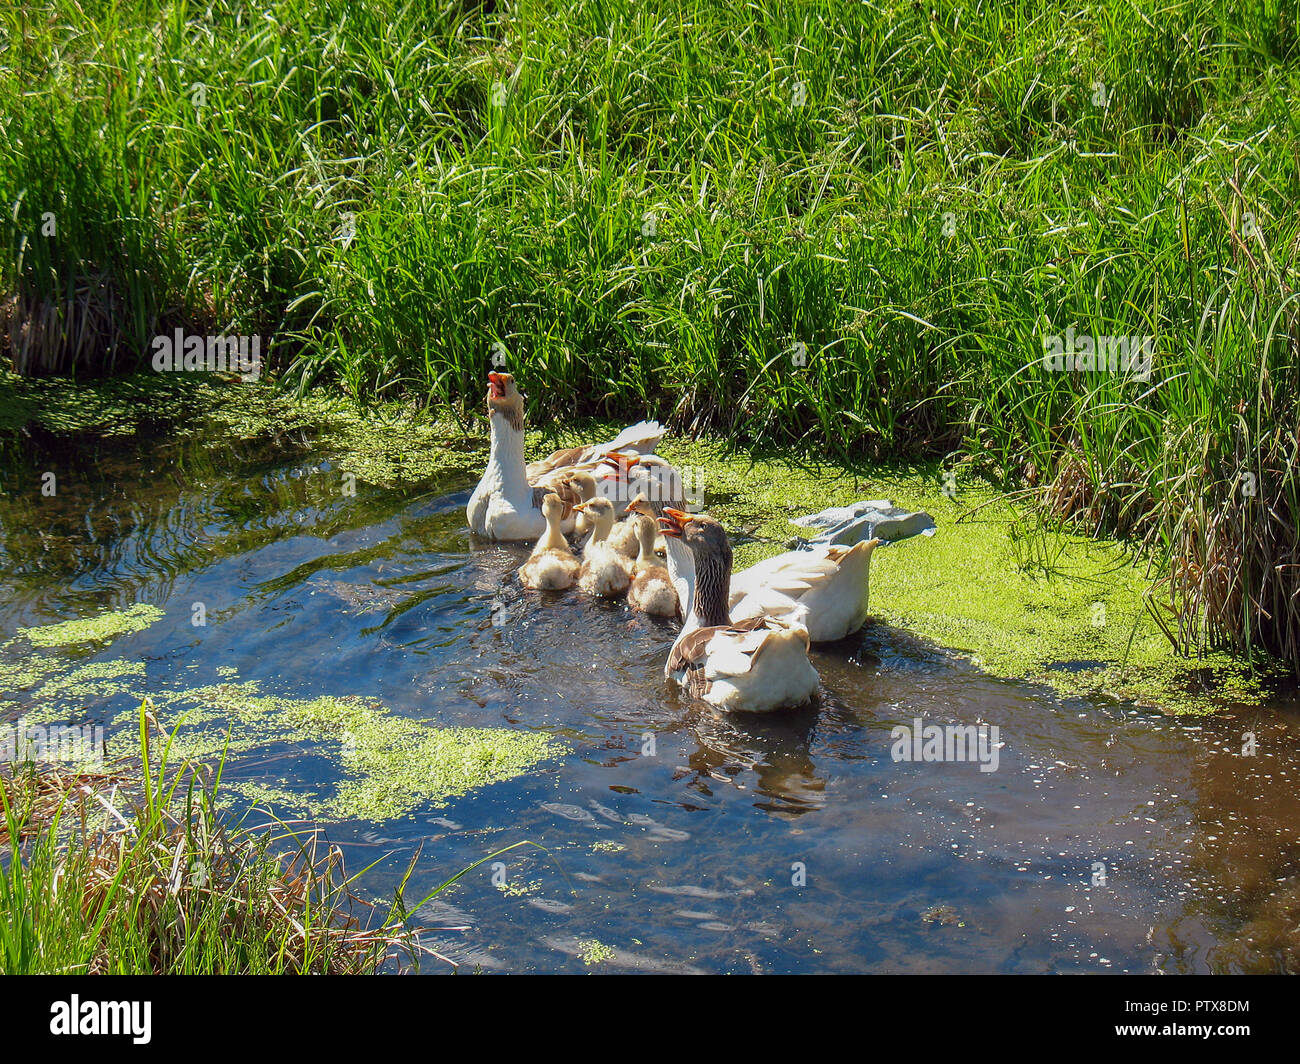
139, 868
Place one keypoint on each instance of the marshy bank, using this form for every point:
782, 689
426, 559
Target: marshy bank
291, 585
135, 867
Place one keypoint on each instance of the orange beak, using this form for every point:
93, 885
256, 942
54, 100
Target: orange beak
672, 522
621, 462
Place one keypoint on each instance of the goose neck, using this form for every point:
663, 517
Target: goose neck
711, 590
507, 454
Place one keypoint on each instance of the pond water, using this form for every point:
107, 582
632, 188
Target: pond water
1108, 839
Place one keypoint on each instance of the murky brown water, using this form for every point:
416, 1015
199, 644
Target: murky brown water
683, 858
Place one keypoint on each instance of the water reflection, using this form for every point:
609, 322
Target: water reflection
775, 750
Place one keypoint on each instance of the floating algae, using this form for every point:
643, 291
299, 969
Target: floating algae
392, 765
97, 629
64, 693
400, 765
118, 406
267, 796
94, 680
593, 952
390, 444
53, 683
26, 672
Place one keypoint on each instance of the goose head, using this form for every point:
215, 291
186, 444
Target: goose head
554, 509
698, 544
505, 398
640, 511
641, 505
600, 511
583, 484
617, 466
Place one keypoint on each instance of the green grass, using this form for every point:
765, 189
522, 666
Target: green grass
139, 868
650, 206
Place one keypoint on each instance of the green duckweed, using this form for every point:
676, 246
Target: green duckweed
594, 952
97, 629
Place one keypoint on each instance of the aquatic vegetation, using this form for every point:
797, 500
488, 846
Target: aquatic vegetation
390, 444
84, 684
519, 890
115, 407
98, 629
26, 672
407, 766
170, 884
389, 766
594, 952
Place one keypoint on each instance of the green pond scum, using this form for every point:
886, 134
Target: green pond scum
389, 766
98, 629
1021, 600
593, 951
385, 444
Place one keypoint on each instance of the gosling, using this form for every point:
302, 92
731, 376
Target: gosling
551, 566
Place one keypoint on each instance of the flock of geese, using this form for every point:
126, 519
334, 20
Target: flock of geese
745, 636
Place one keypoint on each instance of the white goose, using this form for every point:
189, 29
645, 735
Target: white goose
825, 589
507, 504
754, 666
630, 474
